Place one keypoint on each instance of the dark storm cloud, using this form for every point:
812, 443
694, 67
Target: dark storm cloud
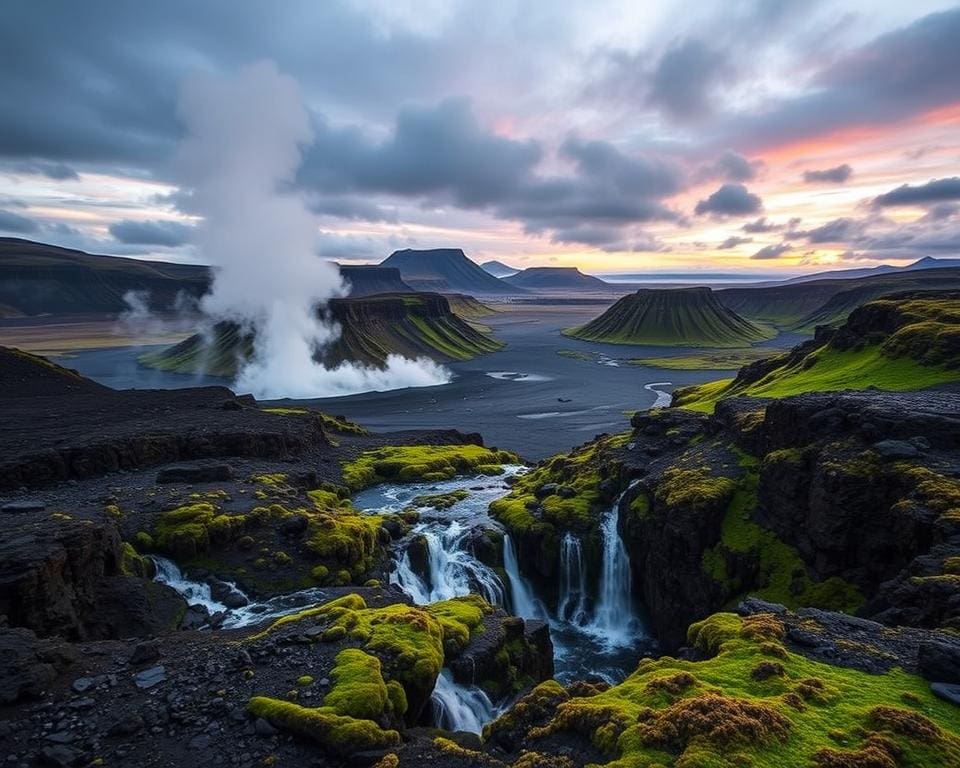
760, 226
836, 175
14, 222
169, 234
771, 251
896, 75
731, 166
733, 241
685, 77
941, 212
353, 208
936, 191
730, 200
439, 150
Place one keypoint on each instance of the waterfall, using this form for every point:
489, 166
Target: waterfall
453, 571
459, 707
194, 592
572, 605
523, 601
615, 619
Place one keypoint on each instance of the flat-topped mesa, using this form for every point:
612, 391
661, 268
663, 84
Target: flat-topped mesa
368, 279
556, 278
671, 317
372, 327
445, 270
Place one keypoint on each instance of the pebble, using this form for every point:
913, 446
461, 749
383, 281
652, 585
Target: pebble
150, 677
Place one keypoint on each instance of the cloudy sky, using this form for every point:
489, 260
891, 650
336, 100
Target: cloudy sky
754, 137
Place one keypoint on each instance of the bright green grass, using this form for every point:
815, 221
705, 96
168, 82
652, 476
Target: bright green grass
832, 371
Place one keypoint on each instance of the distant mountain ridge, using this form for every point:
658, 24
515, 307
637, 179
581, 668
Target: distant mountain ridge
671, 317
41, 279
445, 270
567, 278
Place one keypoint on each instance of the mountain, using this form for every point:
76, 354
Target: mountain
42, 279
689, 317
445, 270
927, 262
902, 342
36, 278
556, 278
366, 280
498, 268
802, 306
372, 328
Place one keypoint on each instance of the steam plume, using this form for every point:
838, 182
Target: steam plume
245, 136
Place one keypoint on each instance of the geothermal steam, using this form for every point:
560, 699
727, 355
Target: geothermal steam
237, 164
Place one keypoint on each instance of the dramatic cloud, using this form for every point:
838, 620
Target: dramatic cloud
168, 234
733, 241
837, 231
14, 222
730, 200
684, 79
56, 171
731, 166
836, 175
936, 191
771, 251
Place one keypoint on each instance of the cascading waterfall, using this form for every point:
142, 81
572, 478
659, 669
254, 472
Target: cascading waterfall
524, 604
572, 605
453, 571
194, 592
459, 707
615, 619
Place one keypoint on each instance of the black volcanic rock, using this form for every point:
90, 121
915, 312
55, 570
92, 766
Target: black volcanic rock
445, 270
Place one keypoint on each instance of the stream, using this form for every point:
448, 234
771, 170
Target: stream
596, 628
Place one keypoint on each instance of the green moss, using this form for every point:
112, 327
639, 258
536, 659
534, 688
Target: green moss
271, 479
694, 488
722, 712
580, 472
190, 530
132, 563
338, 533
781, 575
143, 541
411, 641
305, 680
410, 463
728, 360
338, 733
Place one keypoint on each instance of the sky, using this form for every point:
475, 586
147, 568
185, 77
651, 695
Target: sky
760, 137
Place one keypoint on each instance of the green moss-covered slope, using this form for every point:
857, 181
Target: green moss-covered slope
753, 703
901, 343
409, 463
372, 328
691, 317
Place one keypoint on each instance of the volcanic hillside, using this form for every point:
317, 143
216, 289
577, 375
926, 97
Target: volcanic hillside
556, 278
690, 317
36, 279
804, 305
41, 279
445, 270
373, 327
902, 342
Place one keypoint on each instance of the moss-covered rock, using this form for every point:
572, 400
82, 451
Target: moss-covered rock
719, 712
411, 463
